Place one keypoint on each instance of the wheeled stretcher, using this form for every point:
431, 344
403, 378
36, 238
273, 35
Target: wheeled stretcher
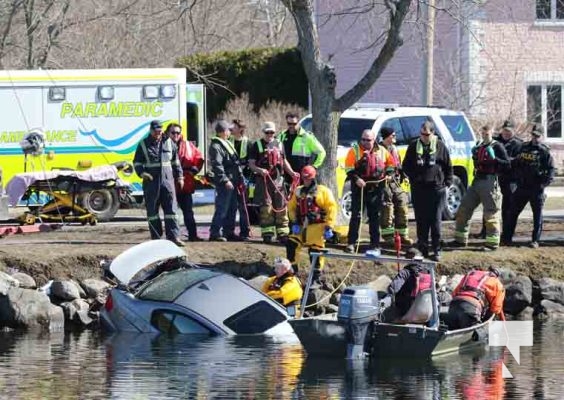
62, 188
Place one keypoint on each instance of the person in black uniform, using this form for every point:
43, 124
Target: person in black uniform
506, 177
534, 169
429, 169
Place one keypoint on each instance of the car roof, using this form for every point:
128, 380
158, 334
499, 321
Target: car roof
375, 110
126, 265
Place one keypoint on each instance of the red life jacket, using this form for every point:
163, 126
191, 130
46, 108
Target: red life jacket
308, 208
483, 159
422, 282
189, 156
473, 284
370, 164
395, 156
269, 158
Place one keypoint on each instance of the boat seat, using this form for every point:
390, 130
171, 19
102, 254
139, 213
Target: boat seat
421, 311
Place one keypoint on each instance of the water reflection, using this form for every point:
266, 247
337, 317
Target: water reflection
125, 366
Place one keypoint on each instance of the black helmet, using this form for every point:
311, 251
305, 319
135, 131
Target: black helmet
494, 271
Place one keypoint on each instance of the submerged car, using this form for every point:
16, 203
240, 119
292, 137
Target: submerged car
160, 292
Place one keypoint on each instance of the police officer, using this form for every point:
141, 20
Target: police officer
300, 146
477, 293
393, 218
368, 167
284, 286
490, 158
534, 169
312, 210
156, 162
267, 161
227, 177
242, 145
429, 169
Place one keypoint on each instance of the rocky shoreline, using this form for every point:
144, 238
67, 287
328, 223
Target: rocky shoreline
66, 304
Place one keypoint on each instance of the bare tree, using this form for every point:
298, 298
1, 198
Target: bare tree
326, 108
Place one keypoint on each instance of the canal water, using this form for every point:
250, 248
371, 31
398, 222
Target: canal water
90, 365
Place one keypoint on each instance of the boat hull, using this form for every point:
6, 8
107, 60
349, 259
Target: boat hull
327, 337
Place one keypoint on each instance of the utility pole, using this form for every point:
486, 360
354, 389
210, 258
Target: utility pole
428, 64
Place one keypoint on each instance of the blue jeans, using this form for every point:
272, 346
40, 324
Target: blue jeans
225, 212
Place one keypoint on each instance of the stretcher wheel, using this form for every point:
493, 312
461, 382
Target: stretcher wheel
83, 222
29, 219
93, 221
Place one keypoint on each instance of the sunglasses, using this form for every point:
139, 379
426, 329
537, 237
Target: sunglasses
292, 123
425, 134
269, 132
175, 133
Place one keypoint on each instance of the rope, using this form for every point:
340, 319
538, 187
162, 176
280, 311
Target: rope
268, 198
355, 252
242, 189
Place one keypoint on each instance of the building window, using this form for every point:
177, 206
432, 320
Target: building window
544, 108
550, 9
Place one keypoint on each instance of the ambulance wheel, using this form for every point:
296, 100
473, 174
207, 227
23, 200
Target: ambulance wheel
102, 203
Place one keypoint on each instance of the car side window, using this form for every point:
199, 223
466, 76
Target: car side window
172, 322
412, 126
395, 124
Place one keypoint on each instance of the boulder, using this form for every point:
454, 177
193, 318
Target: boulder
551, 289
94, 287
26, 281
77, 312
518, 294
380, 284
550, 310
7, 282
65, 290
525, 315
29, 309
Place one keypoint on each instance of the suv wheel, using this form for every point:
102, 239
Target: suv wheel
346, 199
455, 193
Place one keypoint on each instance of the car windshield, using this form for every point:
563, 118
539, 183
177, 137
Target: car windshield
350, 129
458, 128
169, 285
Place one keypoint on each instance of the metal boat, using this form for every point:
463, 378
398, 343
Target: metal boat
357, 330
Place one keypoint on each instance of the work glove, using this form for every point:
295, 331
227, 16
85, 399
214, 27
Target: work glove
328, 233
146, 176
296, 229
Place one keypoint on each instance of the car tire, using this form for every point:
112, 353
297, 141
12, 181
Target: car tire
103, 203
454, 196
345, 202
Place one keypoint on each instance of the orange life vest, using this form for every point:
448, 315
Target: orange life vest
473, 284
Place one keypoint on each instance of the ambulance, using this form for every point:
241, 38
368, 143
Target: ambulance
91, 118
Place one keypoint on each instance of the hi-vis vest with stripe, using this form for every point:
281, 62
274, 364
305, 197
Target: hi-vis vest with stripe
165, 156
227, 145
426, 156
244, 145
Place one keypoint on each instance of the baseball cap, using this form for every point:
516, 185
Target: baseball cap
308, 172
222, 125
268, 126
508, 125
156, 124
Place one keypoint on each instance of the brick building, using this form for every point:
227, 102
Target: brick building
495, 60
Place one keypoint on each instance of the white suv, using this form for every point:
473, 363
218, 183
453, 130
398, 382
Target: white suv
452, 127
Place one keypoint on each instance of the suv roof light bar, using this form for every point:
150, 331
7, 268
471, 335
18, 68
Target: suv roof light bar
377, 106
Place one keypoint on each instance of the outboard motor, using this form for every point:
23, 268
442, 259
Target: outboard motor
358, 308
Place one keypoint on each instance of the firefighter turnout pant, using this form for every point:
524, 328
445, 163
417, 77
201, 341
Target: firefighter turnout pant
393, 217
157, 196
372, 202
270, 195
310, 236
523, 195
484, 190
